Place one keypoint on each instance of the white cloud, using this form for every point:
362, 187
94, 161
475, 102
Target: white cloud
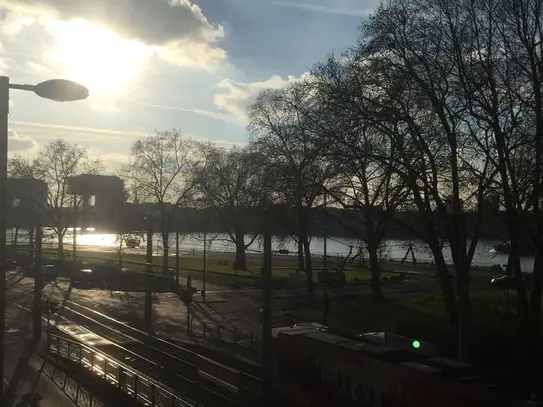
15, 21
5, 65
92, 135
207, 113
59, 128
18, 143
104, 107
111, 161
350, 10
238, 95
37, 68
186, 53
152, 22
175, 30
6, 62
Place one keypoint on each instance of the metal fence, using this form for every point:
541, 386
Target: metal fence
72, 387
143, 388
225, 333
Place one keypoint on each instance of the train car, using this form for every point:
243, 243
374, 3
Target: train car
317, 368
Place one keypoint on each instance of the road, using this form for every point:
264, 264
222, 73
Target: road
177, 367
113, 320
238, 308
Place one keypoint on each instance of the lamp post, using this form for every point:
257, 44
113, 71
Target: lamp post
325, 264
202, 201
59, 90
74, 235
205, 255
266, 282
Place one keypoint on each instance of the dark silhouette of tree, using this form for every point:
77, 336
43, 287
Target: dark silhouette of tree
160, 170
56, 164
229, 182
282, 128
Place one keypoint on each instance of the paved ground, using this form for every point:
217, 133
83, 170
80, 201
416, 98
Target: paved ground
23, 367
225, 306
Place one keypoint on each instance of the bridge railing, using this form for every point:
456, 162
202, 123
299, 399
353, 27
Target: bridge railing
136, 384
225, 333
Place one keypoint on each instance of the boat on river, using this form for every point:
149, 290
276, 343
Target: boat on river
525, 248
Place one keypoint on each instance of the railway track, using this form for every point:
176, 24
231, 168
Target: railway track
168, 363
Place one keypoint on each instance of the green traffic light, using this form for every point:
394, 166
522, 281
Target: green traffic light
416, 344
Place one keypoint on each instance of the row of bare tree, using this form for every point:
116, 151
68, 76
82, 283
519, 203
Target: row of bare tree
437, 107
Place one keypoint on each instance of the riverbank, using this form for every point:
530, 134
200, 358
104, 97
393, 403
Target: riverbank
219, 264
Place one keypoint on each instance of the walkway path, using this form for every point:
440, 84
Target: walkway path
24, 383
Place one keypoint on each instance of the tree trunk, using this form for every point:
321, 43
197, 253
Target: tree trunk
121, 254
464, 311
165, 254
304, 239
309, 270
31, 243
16, 237
375, 270
536, 291
60, 239
240, 263
301, 266
445, 283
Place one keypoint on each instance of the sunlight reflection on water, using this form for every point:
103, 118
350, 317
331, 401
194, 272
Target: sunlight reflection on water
394, 249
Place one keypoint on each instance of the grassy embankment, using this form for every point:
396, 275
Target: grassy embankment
217, 264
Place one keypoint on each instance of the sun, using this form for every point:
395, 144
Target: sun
96, 57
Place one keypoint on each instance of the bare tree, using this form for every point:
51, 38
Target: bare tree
361, 156
160, 170
282, 126
58, 162
407, 87
498, 55
230, 182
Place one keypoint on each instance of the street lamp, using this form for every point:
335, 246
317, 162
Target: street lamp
59, 90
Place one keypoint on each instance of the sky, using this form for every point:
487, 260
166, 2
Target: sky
151, 65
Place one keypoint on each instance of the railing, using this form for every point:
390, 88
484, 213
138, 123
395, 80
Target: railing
225, 333
143, 388
153, 393
68, 383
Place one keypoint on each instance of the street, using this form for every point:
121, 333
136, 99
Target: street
228, 307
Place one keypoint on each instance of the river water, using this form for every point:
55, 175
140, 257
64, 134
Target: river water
393, 249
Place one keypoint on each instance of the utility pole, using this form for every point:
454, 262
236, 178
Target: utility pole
4, 111
267, 356
205, 254
325, 264
74, 237
58, 90
36, 317
148, 313
177, 257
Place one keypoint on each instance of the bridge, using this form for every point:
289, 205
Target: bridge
101, 204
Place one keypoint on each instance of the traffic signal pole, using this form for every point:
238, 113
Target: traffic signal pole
36, 317
148, 312
266, 278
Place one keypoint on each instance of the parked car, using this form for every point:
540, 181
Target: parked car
334, 276
10, 264
133, 243
49, 272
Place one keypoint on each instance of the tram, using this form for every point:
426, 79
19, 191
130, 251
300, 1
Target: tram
318, 368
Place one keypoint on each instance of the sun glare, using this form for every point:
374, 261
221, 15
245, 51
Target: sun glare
95, 57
